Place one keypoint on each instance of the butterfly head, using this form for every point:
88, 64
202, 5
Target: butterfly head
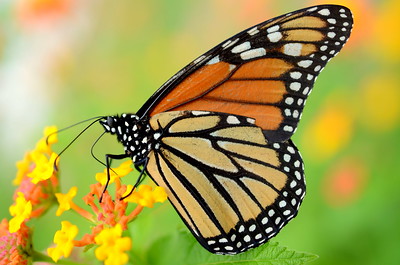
132, 132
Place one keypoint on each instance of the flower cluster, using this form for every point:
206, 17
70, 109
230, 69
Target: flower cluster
38, 190
15, 247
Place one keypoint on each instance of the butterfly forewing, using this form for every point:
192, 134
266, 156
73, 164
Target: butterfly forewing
233, 189
265, 72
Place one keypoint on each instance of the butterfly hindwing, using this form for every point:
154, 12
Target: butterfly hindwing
232, 188
265, 72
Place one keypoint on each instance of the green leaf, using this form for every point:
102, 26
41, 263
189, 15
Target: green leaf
182, 248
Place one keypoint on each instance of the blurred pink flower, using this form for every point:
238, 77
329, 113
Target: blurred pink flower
15, 248
43, 12
345, 182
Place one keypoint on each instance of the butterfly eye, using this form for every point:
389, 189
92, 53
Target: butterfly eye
110, 122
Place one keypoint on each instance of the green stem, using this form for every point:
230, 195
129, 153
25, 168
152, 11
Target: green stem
40, 257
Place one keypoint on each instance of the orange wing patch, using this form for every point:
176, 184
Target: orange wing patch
261, 68
194, 86
249, 91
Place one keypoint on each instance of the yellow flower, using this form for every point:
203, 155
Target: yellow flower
64, 240
44, 167
49, 138
38, 159
23, 167
119, 172
65, 200
112, 246
21, 210
145, 195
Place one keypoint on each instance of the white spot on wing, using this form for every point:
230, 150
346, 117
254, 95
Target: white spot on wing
295, 86
331, 34
250, 120
288, 128
231, 67
289, 100
312, 9
275, 36
214, 60
295, 75
199, 112
232, 120
324, 12
250, 54
305, 63
241, 47
292, 49
273, 29
253, 31
331, 20
229, 43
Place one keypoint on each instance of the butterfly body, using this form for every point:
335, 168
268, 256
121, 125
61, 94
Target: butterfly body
216, 135
135, 135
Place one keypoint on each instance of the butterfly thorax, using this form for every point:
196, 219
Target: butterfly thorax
134, 133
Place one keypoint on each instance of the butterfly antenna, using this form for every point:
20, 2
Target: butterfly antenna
92, 148
73, 125
76, 137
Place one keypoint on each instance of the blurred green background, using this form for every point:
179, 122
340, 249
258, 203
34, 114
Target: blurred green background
62, 61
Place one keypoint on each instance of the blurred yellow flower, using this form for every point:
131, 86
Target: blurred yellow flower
112, 246
20, 211
145, 195
23, 167
64, 240
330, 130
119, 172
380, 103
50, 137
44, 167
65, 200
387, 41
43, 148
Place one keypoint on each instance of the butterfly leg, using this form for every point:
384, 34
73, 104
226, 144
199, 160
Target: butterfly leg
109, 158
141, 175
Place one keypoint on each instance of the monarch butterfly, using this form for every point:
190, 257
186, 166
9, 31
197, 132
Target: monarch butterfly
217, 134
